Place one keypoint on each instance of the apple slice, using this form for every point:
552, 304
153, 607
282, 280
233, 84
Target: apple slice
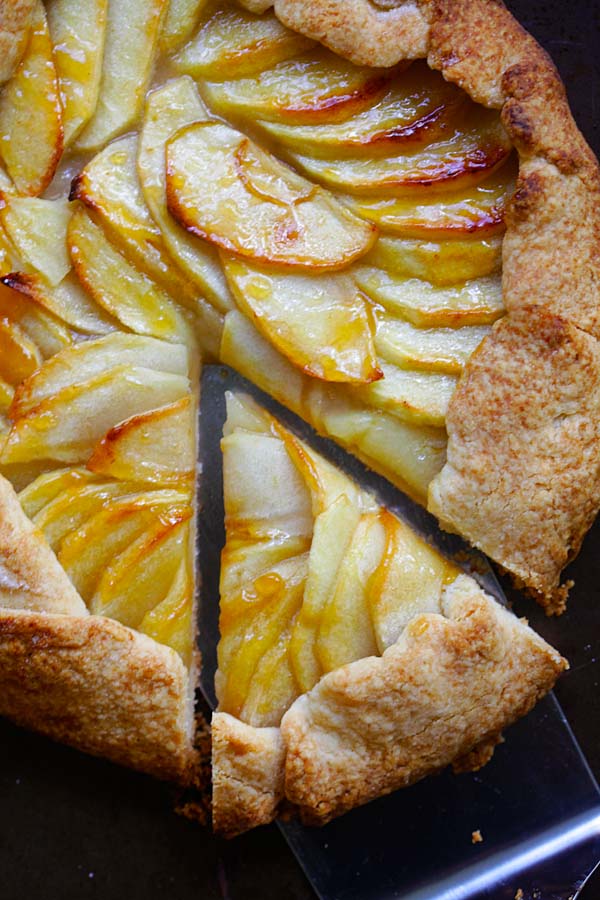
322, 323
320, 87
168, 109
67, 426
19, 356
179, 24
462, 158
86, 552
408, 582
90, 358
333, 531
156, 446
345, 629
477, 210
233, 43
223, 187
6, 395
476, 302
123, 291
78, 30
140, 577
47, 487
132, 32
437, 349
31, 133
443, 263
15, 25
46, 331
172, 621
67, 301
415, 110
38, 230
421, 398
273, 686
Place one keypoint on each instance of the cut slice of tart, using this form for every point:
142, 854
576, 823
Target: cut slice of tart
354, 659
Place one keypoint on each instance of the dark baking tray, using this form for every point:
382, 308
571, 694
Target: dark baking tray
73, 828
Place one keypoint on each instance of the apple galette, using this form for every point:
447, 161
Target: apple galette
380, 212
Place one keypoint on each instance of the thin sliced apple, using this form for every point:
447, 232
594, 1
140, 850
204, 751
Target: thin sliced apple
333, 531
86, 552
345, 628
38, 230
44, 329
321, 323
421, 398
167, 110
415, 110
172, 621
157, 446
15, 23
31, 133
68, 425
224, 188
48, 486
6, 396
140, 577
442, 263
476, 302
78, 30
179, 24
19, 355
320, 87
436, 349
233, 43
478, 210
67, 301
90, 358
408, 582
273, 686
463, 158
123, 291
132, 32
9, 260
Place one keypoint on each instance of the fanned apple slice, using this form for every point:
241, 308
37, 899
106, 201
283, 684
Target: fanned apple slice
44, 329
15, 25
421, 398
223, 187
476, 302
6, 396
438, 349
171, 622
477, 210
462, 158
88, 550
409, 582
233, 43
322, 323
9, 260
441, 263
140, 577
123, 291
156, 446
38, 230
31, 133
67, 301
168, 109
90, 358
179, 24
407, 455
47, 487
68, 425
320, 87
19, 356
78, 30
415, 110
132, 32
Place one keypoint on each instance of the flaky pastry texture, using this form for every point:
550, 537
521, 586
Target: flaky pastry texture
551, 260
442, 694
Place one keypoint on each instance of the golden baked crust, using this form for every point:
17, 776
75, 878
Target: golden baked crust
551, 258
30, 575
445, 690
90, 682
15, 16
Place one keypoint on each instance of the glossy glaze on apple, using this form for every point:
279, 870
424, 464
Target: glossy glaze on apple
340, 247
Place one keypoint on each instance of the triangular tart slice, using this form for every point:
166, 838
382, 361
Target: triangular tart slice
353, 659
